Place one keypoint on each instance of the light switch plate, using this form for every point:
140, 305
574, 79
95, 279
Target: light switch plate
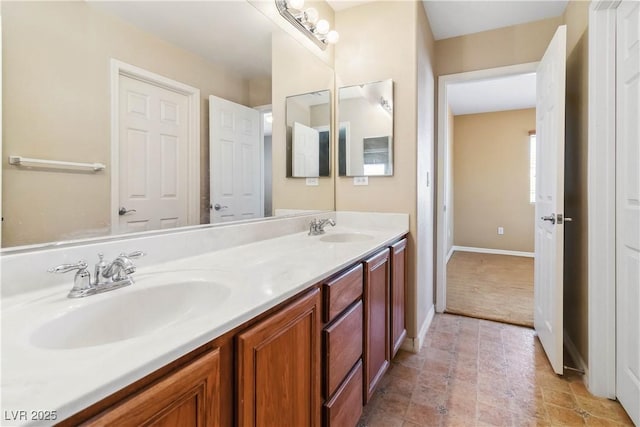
501, 230
360, 180
312, 182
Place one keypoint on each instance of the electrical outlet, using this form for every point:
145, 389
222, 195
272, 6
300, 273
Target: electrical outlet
500, 231
312, 181
360, 180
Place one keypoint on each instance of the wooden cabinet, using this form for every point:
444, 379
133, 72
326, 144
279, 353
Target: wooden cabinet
278, 362
188, 397
343, 344
317, 357
377, 354
398, 292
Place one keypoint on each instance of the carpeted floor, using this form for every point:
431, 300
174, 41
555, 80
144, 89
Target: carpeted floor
493, 287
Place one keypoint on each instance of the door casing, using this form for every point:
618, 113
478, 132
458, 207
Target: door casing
443, 134
119, 68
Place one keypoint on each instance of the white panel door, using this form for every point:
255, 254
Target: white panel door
549, 227
153, 149
305, 151
234, 153
628, 208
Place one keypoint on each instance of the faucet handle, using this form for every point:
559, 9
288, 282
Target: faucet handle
134, 254
65, 268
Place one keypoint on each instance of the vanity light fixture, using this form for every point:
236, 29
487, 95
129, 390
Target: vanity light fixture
308, 22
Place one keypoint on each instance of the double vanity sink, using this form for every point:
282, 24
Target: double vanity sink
62, 354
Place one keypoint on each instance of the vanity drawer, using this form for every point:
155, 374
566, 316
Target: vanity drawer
341, 291
343, 347
345, 409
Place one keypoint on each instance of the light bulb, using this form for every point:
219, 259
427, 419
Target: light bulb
295, 4
312, 15
333, 37
322, 27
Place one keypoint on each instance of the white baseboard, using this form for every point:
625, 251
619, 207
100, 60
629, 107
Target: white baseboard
415, 344
492, 251
451, 251
575, 355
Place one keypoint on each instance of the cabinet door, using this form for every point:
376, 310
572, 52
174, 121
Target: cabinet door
279, 367
398, 286
377, 352
188, 397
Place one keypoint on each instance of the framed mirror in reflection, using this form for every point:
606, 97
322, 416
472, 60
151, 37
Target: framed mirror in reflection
365, 129
163, 93
308, 118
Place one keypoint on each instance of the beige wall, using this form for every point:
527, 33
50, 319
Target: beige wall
370, 37
296, 71
491, 180
576, 17
56, 98
517, 44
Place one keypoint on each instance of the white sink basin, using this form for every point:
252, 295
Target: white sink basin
131, 314
346, 237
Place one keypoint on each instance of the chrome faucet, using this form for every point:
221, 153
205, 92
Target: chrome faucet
108, 276
317, 226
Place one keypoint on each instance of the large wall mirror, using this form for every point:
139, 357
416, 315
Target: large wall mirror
365, 129
308, 118
173, 98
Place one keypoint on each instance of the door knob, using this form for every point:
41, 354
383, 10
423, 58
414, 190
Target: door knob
124, 211
218, 207
551, 218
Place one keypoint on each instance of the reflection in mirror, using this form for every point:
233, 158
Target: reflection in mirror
365, 129
76, 79
308, 134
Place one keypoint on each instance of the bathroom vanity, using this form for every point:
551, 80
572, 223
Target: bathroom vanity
301, 334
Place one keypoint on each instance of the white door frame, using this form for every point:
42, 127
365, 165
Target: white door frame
263, 109
601, 201
443, 134
119, 68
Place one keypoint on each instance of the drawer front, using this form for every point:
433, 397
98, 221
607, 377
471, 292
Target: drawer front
340, 292
343, 347
345, 409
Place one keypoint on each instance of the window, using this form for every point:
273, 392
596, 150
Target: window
532, 167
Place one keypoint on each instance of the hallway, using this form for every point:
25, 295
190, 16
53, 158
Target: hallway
474, 372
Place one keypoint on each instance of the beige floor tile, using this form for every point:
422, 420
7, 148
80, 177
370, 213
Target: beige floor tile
508, 381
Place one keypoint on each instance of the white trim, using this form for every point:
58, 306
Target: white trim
119, 68
493, 251
601, 199
415, 344
263, 109
450, 254
443, 130
575, 355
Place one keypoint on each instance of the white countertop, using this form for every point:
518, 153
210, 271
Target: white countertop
259, 276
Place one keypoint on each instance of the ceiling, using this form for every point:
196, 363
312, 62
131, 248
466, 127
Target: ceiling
453, 18
196, 26
484, 96
457, 18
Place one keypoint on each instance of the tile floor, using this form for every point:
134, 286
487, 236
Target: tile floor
473, 372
